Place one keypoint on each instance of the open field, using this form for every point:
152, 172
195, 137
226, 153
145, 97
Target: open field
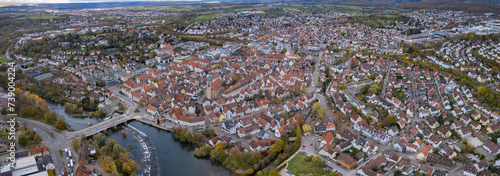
321, 8
298, 165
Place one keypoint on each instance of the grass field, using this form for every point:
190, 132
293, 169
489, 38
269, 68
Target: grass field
169, 8
298, 165
3, 59
320, 8
204, 18
4, 136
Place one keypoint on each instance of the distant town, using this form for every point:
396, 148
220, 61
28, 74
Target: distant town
266, 89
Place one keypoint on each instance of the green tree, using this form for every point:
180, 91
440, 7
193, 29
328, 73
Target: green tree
76, 144
100, 139
60, 124
322, 112
482, 90
277, 146
37, 138
22, 139
50, 117
250, 171
374, 88
491, 98
209, 132
189, 136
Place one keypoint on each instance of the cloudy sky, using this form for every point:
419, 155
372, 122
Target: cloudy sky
80, 1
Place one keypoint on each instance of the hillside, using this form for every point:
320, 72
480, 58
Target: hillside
471, 6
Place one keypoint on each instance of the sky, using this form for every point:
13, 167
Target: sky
80, 1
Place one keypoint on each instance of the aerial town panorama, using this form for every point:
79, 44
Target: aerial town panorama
257, 88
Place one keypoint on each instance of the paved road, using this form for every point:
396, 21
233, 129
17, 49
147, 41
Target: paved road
436, 87
386, 80
414, 94
312, 86
8, 55
57, 142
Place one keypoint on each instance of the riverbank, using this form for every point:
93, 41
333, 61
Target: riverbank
177, 158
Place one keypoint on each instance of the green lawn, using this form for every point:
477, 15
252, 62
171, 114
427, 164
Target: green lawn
298, 165
169, 8
2, 60
4, 136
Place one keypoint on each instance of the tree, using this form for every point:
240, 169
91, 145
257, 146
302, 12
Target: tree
316, 106
482, 90
50, 117
219, 147
277, 100
100, 139
250, 171
303, 89
129, 167
107, 163
100, 83
306, 128
189, 136
209, 132
124, 133
60, 124
343, 87
374, 88
51, 172
322, 112
122, 107
491, 98
217, 66
203, 151
37, 138
22, 139
76, 144
277, 146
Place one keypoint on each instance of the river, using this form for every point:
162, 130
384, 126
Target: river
75, 122
174, 157
177, 158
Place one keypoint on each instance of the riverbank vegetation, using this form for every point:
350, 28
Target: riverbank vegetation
32, 106
78, 111
230, 156
115, 159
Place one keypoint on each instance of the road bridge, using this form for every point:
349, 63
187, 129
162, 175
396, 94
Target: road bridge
102, 126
